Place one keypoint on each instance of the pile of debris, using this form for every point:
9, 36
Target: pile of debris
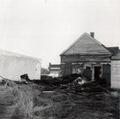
74, 82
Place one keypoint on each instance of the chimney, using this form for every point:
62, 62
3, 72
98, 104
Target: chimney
92, 34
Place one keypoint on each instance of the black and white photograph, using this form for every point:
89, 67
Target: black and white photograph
59, 59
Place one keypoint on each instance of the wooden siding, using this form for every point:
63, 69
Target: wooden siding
68, 69
79, 58
107, 74
115, 73
54, 69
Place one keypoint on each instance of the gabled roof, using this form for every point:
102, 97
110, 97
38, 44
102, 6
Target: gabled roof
86, 45
113, 50
117, 56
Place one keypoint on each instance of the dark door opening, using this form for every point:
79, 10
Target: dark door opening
97, 72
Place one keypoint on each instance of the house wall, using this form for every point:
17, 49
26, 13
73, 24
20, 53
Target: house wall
12, 67
115, 73
68, 68
68, 61
107, 74
78, 58
71, 64
54, 69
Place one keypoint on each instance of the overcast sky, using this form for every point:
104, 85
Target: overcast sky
45, 28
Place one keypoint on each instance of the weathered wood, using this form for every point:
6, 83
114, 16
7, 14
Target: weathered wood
78, 58
86, 45
106, 75
115, 74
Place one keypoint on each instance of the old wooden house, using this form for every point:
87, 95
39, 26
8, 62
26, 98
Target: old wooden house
92, 59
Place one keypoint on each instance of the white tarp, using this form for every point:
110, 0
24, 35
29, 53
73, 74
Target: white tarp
13, 65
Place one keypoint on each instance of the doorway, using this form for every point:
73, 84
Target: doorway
97, 72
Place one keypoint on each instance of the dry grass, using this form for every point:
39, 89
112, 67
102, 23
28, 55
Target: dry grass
21, 101
75, 106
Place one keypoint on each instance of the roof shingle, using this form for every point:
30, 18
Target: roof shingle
86, 45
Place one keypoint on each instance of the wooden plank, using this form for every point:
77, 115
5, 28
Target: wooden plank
115, 74
78, 58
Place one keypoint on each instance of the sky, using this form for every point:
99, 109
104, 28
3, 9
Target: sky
45, 28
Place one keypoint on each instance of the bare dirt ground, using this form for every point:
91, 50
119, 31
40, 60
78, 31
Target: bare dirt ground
28, 101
